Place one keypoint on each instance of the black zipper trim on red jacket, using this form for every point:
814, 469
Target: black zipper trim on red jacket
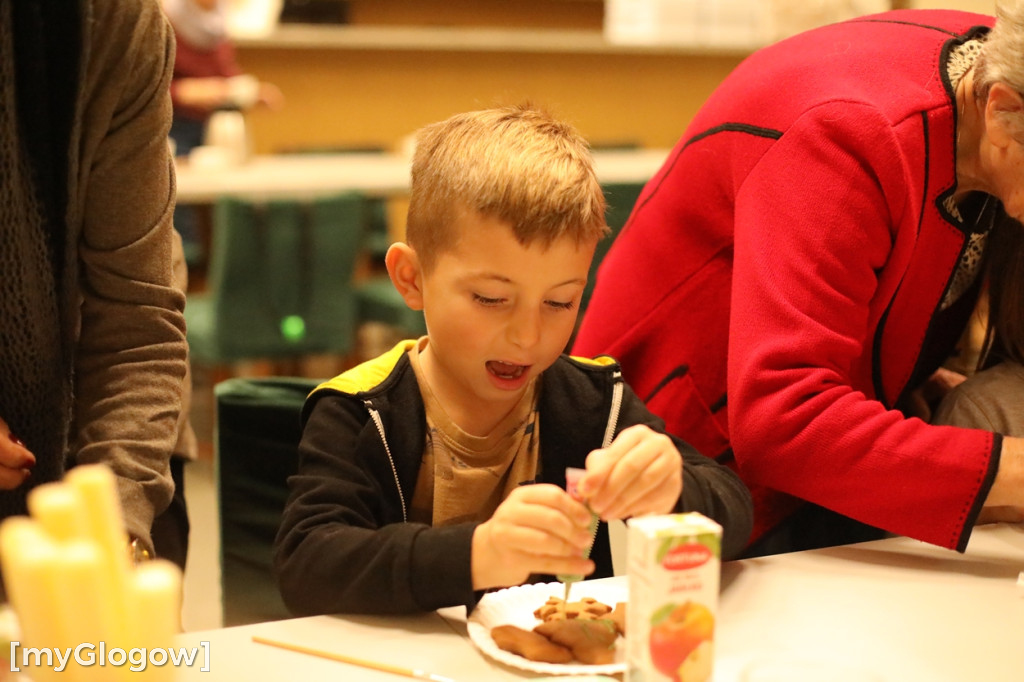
756, 131
985, 484
908, 23
972, 33
880, 392
876, 346
679, 371
745, 128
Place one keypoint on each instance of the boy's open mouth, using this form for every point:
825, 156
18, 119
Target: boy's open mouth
505, 370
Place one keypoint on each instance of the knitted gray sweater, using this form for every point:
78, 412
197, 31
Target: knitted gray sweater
35, 396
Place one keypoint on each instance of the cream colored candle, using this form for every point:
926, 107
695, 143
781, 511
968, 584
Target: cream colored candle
155, 599
60, 510
89, 613
32, 573
104, 525
103, 517
70, 581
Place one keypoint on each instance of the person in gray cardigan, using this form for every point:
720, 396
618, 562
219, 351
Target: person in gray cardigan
92, 337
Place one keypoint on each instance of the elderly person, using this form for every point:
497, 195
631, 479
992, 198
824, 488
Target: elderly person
92, 336
792, 280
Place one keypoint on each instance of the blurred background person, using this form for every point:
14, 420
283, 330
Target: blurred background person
207, 78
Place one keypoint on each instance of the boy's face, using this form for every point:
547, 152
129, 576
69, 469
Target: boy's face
498, 313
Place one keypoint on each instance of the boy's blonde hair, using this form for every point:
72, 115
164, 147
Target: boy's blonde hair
517, 164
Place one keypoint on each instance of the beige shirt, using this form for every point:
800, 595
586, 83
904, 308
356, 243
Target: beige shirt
463, 478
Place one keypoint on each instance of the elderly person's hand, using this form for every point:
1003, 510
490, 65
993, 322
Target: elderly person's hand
16, 461
1002, 514
926, 397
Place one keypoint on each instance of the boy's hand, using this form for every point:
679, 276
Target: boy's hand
537, 529
641, 472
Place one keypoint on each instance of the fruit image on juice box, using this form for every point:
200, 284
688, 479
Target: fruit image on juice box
674, 562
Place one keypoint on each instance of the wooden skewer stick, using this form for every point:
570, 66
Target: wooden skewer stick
373, 665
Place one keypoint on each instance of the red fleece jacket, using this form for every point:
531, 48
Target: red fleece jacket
778, 286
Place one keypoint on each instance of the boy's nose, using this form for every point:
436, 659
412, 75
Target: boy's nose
524, 328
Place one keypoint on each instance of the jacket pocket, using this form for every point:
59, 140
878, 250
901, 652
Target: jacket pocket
688, 415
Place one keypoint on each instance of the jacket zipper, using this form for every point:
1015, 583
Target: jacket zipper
609, 432
375, 416
613, 414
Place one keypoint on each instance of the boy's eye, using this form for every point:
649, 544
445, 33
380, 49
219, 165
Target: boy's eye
562, 305
486, 300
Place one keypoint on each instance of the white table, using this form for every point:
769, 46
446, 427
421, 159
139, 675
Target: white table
907, 611
304, 176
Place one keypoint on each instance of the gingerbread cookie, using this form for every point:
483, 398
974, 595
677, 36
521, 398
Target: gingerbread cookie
618, 616
591, 641
587, 608
584, 630
530, 645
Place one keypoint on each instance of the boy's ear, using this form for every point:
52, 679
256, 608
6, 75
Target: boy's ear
1003, 102
406, 274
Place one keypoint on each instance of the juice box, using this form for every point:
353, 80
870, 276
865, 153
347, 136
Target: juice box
674, 562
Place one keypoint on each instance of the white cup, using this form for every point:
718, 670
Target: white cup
226, 130
244, 90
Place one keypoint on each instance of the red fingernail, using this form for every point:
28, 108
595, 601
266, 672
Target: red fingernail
15, 439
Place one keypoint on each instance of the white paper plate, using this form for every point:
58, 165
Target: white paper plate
515, 606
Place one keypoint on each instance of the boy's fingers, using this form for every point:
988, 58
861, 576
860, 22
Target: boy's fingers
549, 523
624, 476
556, 515
563, 566
602, 463
533, 542
642, 481
651, 493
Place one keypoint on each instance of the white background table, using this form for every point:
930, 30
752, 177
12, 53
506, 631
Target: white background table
907, 611
304, 176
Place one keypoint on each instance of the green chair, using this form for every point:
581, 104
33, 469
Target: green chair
280, 280
379, 301
258, 432
376, 239
621, 198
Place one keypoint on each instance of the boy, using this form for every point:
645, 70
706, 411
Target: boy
412, 491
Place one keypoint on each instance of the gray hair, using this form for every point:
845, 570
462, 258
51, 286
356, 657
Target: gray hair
1002, 57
